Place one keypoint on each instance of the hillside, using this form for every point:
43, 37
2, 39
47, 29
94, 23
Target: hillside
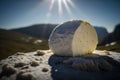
112, 41
38, 30
17, 40
12, 42
44, 30
112, 37
115, 47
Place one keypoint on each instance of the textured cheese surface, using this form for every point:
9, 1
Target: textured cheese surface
84, 40
65, 39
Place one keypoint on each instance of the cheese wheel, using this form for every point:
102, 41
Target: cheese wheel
73, 38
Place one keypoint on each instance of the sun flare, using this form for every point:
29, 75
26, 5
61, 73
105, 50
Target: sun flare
61, 3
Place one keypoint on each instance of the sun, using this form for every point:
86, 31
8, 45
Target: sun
60, 3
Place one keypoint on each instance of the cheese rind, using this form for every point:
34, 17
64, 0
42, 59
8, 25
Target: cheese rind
65, 39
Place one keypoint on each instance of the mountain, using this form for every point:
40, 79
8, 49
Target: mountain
101, 32
12, 42
44, 30
39, 30
112, 41
112, 37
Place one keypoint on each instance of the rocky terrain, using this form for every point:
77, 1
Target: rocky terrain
43, 65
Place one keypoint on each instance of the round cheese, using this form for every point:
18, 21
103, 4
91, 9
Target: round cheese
73, 38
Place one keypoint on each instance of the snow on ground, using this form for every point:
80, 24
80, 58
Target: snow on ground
111, 44
37, 41
43, 65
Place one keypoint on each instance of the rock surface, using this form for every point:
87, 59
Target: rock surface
51, 67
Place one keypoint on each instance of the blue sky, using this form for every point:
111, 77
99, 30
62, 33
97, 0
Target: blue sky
20, 13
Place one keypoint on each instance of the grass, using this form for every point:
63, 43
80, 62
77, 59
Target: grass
115, 48
12, 42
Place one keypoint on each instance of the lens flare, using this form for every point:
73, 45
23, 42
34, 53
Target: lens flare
61, 3
60, 11
71, 3
66, 6
51, 5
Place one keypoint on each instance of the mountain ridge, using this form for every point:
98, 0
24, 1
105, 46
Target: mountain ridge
37, 30
44, 31
113, 36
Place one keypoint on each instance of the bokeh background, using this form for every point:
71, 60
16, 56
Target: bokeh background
25, 25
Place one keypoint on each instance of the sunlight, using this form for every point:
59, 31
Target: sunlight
51, 5
71, 3
60, 4
66, 6
60, 11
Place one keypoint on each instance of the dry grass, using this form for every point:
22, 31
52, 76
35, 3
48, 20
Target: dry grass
115, 48
11, 42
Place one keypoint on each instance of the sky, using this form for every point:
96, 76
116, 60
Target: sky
21, 13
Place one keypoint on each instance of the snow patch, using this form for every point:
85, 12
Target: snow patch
37, 41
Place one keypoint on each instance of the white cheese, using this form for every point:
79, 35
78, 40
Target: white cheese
73, 38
